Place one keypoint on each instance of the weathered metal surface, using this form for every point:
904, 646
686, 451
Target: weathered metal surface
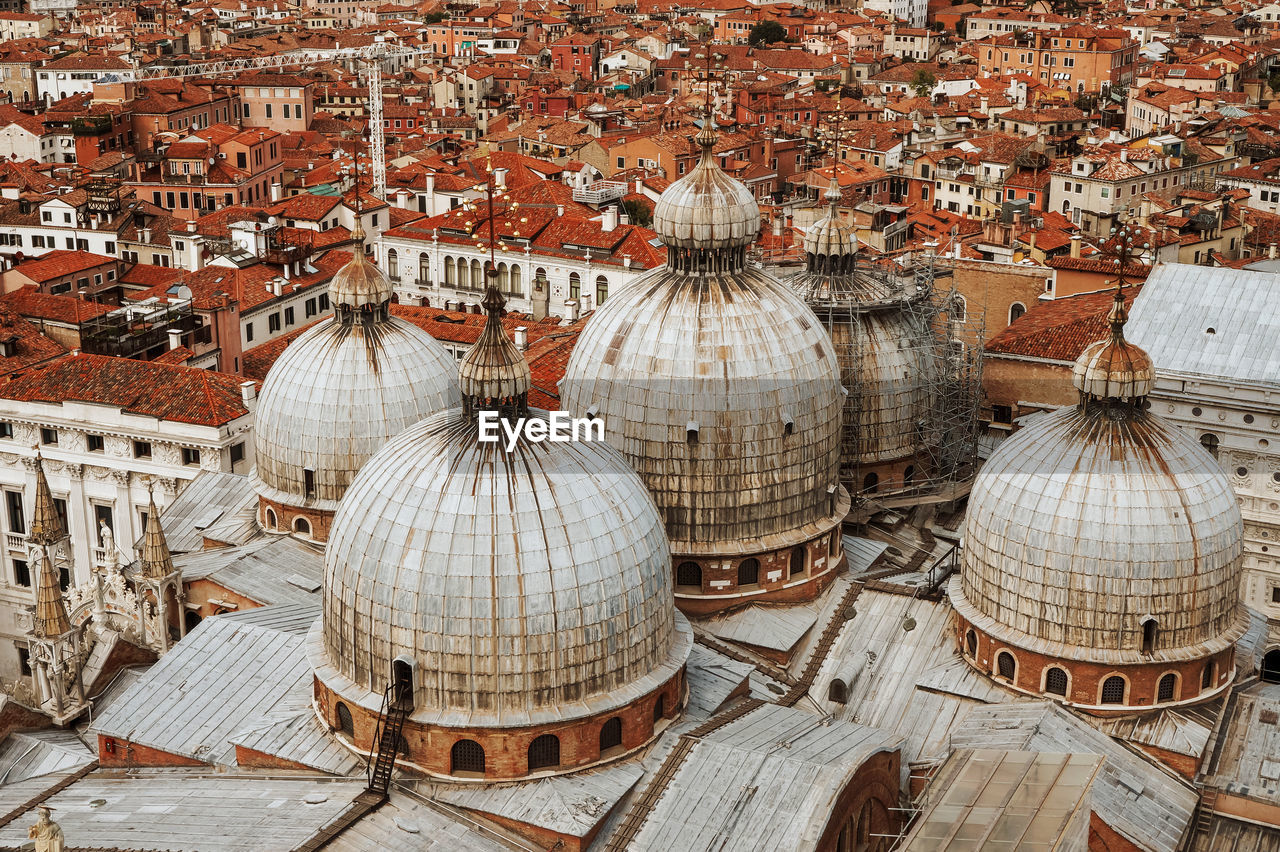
270, 570
220, 505
527, 586
706, 209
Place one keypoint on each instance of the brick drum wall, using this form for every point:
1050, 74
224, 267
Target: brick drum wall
285, 516
506, 750
113, 751
877, 781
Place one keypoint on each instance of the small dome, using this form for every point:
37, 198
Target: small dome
494, 369
706, 208
359, 284
829, 237
335, 396
1114, 368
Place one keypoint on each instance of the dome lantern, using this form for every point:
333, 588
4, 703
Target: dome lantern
1114, 370
494, 374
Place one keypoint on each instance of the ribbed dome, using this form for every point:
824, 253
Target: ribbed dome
336, 395
528, 586
1090, 520
723, 391
706, 209
1114, 368
829, 237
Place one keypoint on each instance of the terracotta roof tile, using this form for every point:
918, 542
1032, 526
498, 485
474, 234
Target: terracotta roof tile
1061, 329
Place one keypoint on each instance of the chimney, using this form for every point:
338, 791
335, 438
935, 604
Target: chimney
175, 338
559, 209
571, 310
500, 178
983, 103
191, 227
1124, 155
1271, 252
522, 337
609, 219
1075, 245
639, 186
402, 199
249, 394
276, 288
777, 226
144, 236
275, 191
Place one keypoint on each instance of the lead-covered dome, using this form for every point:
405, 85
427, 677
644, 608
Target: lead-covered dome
706, 209
1098, 518
341, 391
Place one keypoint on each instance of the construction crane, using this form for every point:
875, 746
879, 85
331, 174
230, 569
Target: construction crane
371, 56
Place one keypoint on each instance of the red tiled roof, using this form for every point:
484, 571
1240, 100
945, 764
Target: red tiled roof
31, 303
1059, 330
166, 392
60, 263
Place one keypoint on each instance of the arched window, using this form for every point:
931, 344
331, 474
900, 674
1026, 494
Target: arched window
449, 278
1113, 690
575, 285
1148, 635
838, 691
797, 560
869, 483
544, 752
393, 265
749, 572
611, 735
424, 270
1005, 665
1271, 666
402, 677
345, 724
834, 548
1055, 681
271, 519
602, 290
1167, 688
191, 620
1016, 310
302, 526
540, 280
960, 308
660, 707
477, 275
1209, 675
466, 758
504, 278
515, 284
1210, 442
689, 574
971, 643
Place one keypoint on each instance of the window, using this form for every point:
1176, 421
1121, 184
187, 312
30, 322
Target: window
1148, 635
142, 449
466, 758
838, 691
688, 574
190, 456
602, 290
749, 572
309, 310
1055, 682
237, 453
6, 429
21, 573
273, 323
24, 664
309, 482
1113, 690
288, 316
271, 519
1210, 442
1168, 686
17, 517
1016, 310
575, 286
1208, 676
1005, 665
96, 443
971, 643
345, 723
544, 752
797, 561
869, 483
660, 708
49, 437
1002, 414
611, 735
248, 332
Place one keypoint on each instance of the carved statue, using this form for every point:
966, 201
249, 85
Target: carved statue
47, 833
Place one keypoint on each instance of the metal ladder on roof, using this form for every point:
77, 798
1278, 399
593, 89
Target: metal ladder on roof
1204, 813
386, 738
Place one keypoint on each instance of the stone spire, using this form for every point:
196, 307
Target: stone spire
51, 619
155, 561
494, 374
46, 523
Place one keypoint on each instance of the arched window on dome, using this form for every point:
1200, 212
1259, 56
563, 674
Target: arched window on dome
308, 483
345, 723
660, 708
602, 290
1113, 690
393, 265
302, 526
575, 285
749, 572
869, 483
271, 519
1055, 681
1006, 666
1148, 635
544, 752
971, 643
908, 474
1270, 666
466, 758
1016, 310
833, 549
611, 736
838, 691
1167, 689
798, 559
689, 575
1209, 675
1210, 442
402, 678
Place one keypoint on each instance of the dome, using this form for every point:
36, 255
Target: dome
359, 283
340, 391
1114, 367
828, 237
527, 585
1097, 518
706, 209
724, 393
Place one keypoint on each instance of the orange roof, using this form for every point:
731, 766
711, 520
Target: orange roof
1061, 329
